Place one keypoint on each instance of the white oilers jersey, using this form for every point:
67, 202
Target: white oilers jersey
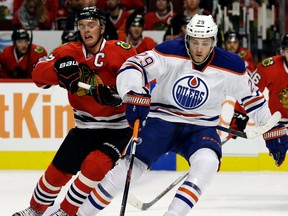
185, 94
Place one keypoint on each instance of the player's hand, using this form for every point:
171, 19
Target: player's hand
277, 142
67, 69
138, 106
106, 95
238, 122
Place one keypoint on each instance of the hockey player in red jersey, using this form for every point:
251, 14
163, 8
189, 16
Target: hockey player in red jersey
102, 132
17, 61
271, 73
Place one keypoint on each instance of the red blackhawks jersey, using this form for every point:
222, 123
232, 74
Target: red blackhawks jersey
272, 73
247, 57
96, 69
13, 67
145, 44
153, 21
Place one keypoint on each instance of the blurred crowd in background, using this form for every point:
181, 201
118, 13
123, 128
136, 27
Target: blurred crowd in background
259, 24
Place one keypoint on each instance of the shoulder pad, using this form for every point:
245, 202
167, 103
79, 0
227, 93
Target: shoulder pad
39, 49
242, 54
123, 45
267, 62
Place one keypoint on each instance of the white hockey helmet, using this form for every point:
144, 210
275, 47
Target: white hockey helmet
202, 26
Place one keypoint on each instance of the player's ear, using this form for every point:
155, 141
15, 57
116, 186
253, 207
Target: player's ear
102, 29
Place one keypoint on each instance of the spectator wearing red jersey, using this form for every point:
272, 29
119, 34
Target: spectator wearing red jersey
191, 7
134, 30
52, 6
117, 16
159, 19
32, 14
18, 60
69, 10
132, 5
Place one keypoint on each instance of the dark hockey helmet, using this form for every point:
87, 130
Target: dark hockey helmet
284, 43
19, 34
69, 36
232, 36
134, 19
91, 13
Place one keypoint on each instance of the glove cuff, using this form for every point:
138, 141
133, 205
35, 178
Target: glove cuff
275, 133
138, 99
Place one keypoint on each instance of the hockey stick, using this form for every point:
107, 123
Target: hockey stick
129, 171
84, 85
132, 200
272, 121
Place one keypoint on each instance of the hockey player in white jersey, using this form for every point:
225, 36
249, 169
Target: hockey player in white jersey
193, 79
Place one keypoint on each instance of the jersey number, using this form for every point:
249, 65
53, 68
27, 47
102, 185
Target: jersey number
256, 78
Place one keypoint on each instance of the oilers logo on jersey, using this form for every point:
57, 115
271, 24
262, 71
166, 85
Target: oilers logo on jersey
190, 92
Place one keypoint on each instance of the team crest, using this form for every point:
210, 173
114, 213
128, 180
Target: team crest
39, 49
268, 61
123, 45
190, 92
242, 54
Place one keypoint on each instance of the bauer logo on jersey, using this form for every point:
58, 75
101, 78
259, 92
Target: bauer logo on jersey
190, 92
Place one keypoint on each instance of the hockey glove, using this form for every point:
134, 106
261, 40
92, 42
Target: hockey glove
106, 95
238, 122
67, 69
277, 142
138, 106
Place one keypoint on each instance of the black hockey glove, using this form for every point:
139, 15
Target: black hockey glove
67, 69
277, 142
238, 122
106, 95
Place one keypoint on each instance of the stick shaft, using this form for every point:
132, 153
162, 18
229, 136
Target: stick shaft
129, 171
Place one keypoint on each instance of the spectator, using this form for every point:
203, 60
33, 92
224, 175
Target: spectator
67, 12
191, 7
52, 7
132, 5
117, 16
159, 19
18, 60
134, 30
6, 14
32, 14
69, 36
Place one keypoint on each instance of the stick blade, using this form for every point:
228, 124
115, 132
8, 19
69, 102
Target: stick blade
132, 200
273, 120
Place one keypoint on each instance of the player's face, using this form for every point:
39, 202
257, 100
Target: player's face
90, 31
232, 45
112, 4
161, 4
136, 31
22, 45
200, 48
